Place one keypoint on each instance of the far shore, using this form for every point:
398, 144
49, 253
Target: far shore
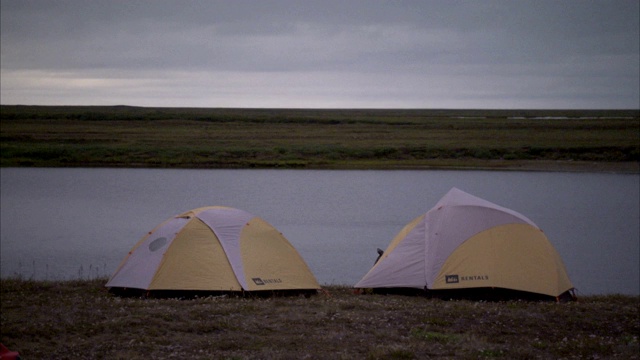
505, 165
133, 137
470, 165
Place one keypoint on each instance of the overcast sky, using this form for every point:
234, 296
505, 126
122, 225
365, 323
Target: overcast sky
322, 54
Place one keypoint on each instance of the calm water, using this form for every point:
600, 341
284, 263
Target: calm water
80, 223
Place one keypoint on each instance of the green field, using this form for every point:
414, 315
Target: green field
123, 136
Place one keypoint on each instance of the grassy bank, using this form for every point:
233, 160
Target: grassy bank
81, 320
123, 136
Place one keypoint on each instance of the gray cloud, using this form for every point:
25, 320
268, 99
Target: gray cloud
322, 54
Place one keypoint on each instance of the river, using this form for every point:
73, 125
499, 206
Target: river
80, 223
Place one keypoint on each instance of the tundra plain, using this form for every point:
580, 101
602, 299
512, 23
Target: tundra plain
79, 319
123, 136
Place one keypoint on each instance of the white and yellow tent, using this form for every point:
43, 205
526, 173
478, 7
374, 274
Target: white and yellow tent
214, 249
466, 242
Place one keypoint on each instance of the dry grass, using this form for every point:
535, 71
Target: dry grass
81, 320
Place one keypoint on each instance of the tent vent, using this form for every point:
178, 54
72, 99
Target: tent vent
157, 243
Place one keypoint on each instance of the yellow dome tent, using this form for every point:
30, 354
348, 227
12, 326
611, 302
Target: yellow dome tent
465, 242
213, 249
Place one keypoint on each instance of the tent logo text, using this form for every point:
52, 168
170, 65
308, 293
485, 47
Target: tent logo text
452, 279
259, 281
473, 278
